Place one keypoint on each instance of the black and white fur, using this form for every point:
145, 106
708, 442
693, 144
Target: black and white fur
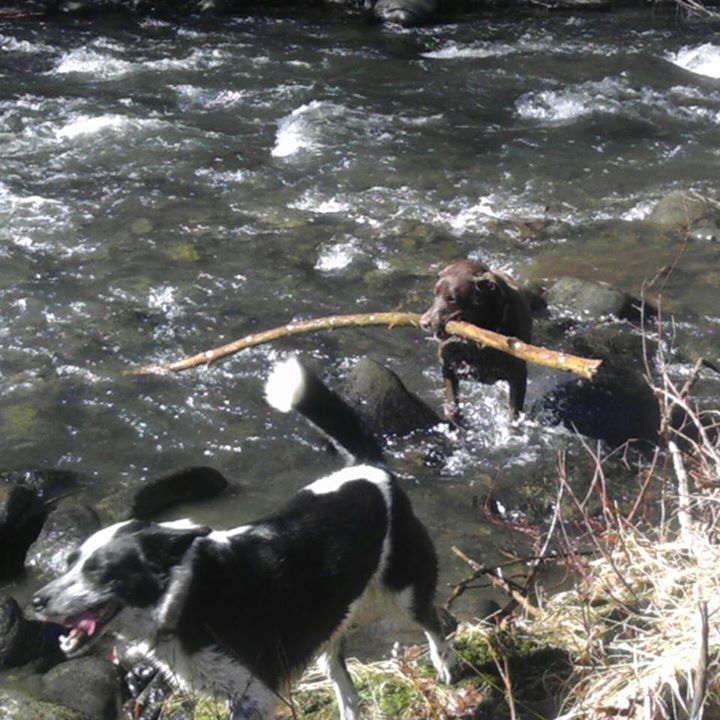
238, 614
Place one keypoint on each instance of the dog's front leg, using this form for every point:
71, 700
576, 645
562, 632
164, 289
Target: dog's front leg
451, 406
333, 666
517, 382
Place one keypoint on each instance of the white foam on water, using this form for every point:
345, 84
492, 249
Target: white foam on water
11, 44
556, 105
302, 129
88, 61
88, 125
639, 211
200, 59
701, 59
337, 256
223, 178
312, 201
193, 96
460, 51
164, 298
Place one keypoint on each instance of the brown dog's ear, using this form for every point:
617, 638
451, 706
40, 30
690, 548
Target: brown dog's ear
489, 285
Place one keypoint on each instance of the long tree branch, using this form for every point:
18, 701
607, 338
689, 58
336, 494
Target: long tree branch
512, 346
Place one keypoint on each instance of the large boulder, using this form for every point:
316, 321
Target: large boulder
23, 641
21, 517
65, 529
386, 406
18, 705
89, 685
618, 404
145, 499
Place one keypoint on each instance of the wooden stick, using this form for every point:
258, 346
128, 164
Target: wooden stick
512, 346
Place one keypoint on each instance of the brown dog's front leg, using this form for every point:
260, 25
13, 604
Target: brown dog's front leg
518, 386
451, 407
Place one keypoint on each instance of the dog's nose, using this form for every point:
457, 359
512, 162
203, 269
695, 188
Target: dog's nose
428, 320
39, 602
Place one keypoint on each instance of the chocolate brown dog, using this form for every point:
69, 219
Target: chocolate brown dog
470, 291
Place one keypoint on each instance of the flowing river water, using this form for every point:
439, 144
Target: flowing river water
167, 187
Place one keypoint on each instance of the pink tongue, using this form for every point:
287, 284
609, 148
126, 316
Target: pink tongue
87, 622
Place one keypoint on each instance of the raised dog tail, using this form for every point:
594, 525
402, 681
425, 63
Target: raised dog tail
293, 386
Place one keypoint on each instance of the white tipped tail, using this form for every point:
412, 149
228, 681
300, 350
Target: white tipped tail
286, 385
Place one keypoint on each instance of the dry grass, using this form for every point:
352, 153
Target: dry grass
641, 622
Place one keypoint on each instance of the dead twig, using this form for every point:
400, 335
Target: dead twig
701, 671
508, 587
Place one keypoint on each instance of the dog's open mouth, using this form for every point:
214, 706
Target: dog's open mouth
85, 627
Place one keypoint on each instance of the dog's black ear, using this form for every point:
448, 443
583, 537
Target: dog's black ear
165, 545
486, 286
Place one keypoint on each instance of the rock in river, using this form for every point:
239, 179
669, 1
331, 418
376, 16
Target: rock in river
89, 685
145, 499
18, 705
385, 404
21, 516
65, 528
23, 641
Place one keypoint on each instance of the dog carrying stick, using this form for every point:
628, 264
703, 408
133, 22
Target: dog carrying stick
512, 346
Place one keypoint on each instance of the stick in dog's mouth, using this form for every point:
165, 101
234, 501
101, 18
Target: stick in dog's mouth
85, 627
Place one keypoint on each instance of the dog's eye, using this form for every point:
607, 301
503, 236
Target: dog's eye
72, 558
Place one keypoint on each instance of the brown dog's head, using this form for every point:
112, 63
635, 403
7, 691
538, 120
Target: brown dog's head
466, 290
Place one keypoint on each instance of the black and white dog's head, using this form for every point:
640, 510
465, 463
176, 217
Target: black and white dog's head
127, 565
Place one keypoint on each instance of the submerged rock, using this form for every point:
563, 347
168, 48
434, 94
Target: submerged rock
681, 209
145, 499
593, 300
386, 406
18, 705
65, 528
404, 12
89, 685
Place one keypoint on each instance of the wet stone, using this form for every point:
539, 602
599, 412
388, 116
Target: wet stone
21, 517
385, 404
588, 299
685, 210
88, 685
145, 499
47, 483
404, 12
65, 528
618, 404
18, 705
23, 641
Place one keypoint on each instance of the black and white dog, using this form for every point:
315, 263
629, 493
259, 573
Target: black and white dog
238, 614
